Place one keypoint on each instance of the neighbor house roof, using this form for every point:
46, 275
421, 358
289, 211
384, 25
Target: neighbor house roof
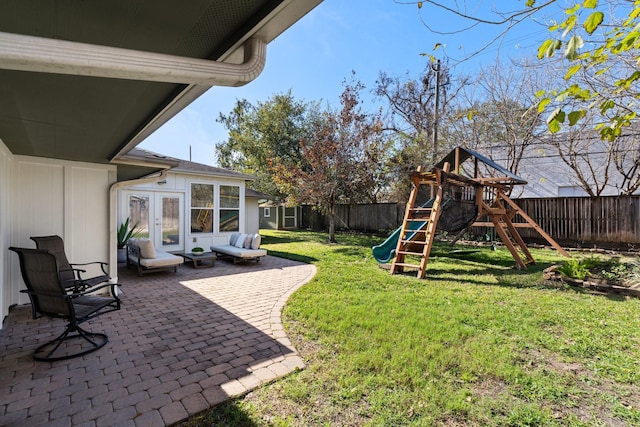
549, 176
463, 154
187, 166
88, 81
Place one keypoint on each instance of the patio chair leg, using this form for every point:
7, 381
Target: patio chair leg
97, 341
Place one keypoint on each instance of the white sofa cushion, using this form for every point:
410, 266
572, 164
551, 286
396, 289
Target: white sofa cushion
238, 252
240, 242
247, 241
162, 259
233, 238
255, 242
146, 249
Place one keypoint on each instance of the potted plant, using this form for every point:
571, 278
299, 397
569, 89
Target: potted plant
124, 234
197, 250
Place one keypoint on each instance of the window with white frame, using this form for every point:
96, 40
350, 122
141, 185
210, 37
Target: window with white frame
229, 212
267, 212
202, 208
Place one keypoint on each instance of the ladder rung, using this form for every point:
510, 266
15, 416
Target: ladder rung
409, 253
398, 264
417, 219
421, 209
417, 242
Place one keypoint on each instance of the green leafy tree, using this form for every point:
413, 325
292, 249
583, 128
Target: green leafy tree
340, 161
599, 40
259, 133
605, 56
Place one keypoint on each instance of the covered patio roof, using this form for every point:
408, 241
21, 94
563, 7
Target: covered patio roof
88, 81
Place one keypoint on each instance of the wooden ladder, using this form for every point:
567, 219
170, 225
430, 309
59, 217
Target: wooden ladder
501, 217
419, 224
512, 240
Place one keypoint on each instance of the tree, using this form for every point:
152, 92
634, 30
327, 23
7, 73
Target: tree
339, 161
270, 129
588, 157
626, 159
496, 117
411, 119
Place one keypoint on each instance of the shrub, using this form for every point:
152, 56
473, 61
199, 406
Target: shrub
574, 269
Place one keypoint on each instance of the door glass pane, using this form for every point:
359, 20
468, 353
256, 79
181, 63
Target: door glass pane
139, 213
170, 221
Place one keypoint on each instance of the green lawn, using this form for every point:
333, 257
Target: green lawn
476, 343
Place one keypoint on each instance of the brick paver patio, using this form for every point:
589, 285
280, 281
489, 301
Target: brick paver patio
182, 343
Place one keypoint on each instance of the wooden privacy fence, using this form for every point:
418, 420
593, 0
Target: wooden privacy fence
370, 217
573, 221
580, 220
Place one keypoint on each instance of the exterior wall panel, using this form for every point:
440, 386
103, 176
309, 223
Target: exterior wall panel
43, 197
8, 293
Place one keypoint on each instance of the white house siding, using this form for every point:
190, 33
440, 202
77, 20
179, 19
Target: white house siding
70, 199
252, 215
177, 182
7, 292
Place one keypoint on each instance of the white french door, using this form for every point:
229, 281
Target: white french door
159, 217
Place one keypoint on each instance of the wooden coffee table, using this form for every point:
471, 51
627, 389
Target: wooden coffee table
205, 259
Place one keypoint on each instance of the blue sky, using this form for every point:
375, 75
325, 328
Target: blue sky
315, 55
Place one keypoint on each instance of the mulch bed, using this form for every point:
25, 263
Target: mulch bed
592, 284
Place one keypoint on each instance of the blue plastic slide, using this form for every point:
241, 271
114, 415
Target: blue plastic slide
385, 251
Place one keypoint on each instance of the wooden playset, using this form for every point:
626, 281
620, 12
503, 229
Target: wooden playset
461, 198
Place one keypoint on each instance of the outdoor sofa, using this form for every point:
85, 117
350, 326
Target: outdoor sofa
241, 247
147, 259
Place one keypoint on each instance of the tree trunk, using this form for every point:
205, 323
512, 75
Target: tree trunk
332, 224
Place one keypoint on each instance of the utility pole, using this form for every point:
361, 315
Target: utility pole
436, 68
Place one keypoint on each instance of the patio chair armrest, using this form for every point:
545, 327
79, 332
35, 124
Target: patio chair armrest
103, 265
95, 288
76, 273
46, 294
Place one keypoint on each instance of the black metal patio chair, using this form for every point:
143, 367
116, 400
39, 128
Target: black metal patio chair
71, 274
45, 286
